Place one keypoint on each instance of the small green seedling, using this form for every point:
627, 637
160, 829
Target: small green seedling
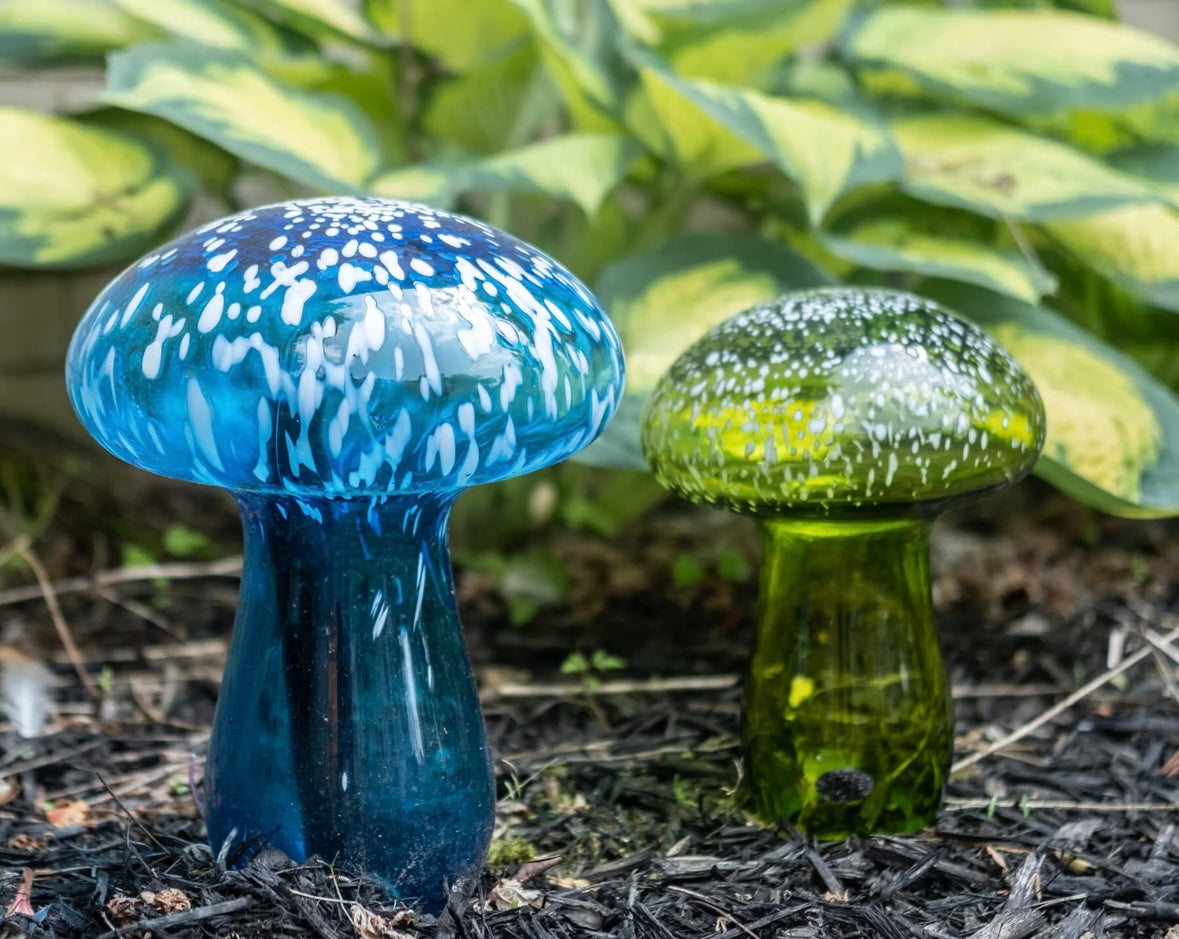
590, 669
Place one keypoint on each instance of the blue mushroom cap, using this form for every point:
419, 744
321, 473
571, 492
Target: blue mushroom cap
344, 346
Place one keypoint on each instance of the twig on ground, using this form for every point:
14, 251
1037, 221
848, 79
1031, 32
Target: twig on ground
605, 688
137, 609
26, 554
49, 759
224, 567
952, 804
183, 918
701, 898
1084, 691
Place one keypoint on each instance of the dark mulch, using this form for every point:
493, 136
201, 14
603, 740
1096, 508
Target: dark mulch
1071, 832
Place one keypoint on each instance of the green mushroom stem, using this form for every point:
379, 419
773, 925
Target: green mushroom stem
848, 723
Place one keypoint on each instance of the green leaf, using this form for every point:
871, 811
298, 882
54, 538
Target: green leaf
72, 195
315, 17
321, 140
663, 301
213, 167
670, 125
1158, 166
436, 184
218, 23
1145, 124
746, 50
979, 164
1136, 247
824, 149
1113, 430
48, 32
582, 168
582, 57
1016, 61
895, 244
482, 111
460, 34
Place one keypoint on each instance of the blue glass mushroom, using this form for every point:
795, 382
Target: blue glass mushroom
345, 367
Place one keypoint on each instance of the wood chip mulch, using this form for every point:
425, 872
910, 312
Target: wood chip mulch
616, 814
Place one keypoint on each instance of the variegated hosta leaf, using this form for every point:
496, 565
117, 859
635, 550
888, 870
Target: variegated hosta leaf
662, 301
480, 111
44, 32
582, 168
1113, 430
1148, 123
219, 23
1016, 61
747, 49
585, 80
825, 150
321, 140
214, 169
460, 34
671, 125
895, 244
1135, 246
314, 17
1159, 166
72, 195
438, 184
979, 164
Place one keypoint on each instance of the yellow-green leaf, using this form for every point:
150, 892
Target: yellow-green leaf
1113, 430
582, 168
585, 82
214, 168
664, 300
218, 23
1135, 246
1158, 166
1016, 61
479, 111
44, 32
745, 50
322, 140
894, 244
72, 195
314, 17
979, 164
461, 34
671, 125
436, 185
824, 149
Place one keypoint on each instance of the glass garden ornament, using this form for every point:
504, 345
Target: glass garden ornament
844, 420
346, 367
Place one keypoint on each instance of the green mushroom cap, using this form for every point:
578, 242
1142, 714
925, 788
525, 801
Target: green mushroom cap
842, 400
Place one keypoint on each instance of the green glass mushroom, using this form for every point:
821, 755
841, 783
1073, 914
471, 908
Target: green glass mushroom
844, 420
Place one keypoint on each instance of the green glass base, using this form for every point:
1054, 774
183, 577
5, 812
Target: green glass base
848, 722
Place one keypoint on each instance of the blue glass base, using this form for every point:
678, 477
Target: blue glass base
348, 724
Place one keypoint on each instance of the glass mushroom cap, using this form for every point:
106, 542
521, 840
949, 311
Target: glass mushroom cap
345, 346
842, 399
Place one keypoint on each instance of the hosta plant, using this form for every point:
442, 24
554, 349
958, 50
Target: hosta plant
1016, 161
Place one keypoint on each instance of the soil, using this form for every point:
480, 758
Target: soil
617, 814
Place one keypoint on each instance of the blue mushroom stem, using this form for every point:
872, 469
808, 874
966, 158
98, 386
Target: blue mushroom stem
348, 723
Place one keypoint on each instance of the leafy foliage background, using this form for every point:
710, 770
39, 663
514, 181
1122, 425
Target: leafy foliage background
1018, 161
